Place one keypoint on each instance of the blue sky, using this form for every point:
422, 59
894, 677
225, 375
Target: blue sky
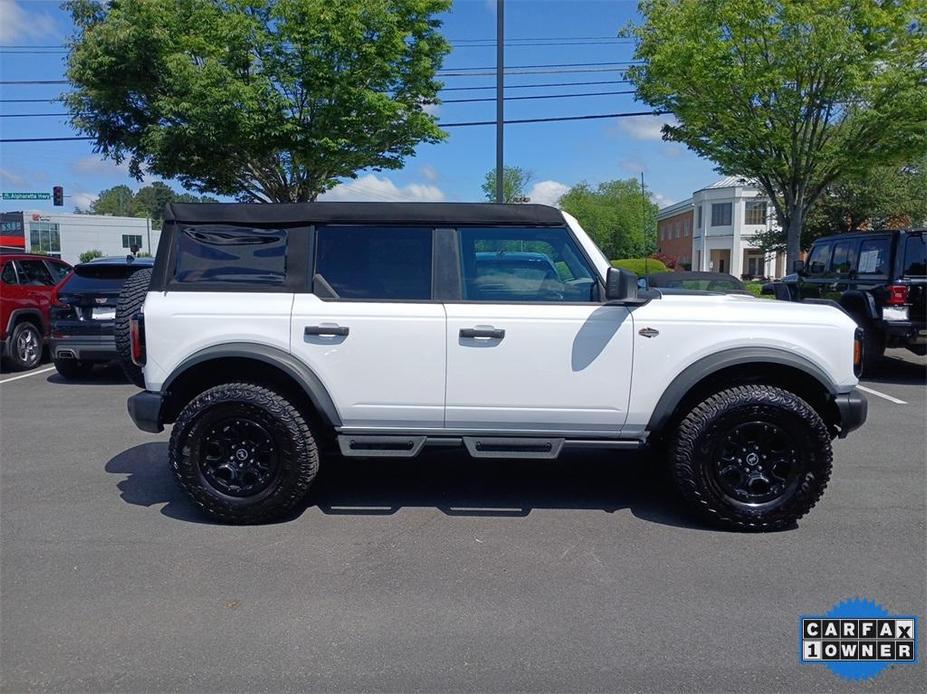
559, 154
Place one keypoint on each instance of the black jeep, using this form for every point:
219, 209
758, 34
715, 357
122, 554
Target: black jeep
878, 277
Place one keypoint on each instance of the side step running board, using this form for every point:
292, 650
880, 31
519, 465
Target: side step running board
516, 447
380, 446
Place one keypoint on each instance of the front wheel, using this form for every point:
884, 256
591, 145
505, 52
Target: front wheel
243, 453
752, 457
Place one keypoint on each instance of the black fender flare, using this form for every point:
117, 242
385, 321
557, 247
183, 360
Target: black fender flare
698, 370
284, 361
859, 305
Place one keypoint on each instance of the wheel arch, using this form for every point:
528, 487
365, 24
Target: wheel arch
248, 362
32, 315
745, 365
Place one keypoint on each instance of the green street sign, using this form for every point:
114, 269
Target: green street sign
27, 196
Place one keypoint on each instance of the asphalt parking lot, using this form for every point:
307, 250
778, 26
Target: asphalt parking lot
441, 574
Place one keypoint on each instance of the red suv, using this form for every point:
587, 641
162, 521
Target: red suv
26, 285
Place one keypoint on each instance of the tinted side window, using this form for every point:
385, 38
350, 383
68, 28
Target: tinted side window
240, 255
873, 257
844, 257
8, 275
502, 265
820, 254
915, 257
381, 263
34, 273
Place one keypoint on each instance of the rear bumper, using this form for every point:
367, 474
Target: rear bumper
853, 409
145, 410
84, 348
905, 332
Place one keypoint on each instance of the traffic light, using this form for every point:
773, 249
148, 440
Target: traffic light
58, 196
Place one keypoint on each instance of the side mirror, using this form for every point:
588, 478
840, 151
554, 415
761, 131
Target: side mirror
798, 266
621, 287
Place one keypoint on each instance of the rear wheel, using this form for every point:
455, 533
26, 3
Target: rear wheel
752, 457
131, 298
73, 368
243, 453
25, 346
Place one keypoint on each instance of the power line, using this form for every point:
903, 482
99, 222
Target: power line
443, 125
566, 71
556, 119
534, 96
536, 86
546, 65
33, 82
444, 101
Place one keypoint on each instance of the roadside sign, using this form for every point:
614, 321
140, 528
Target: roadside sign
27, 196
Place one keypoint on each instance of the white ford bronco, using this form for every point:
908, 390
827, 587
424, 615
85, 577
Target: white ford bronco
268, 332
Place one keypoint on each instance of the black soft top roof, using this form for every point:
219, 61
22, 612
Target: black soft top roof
437, 213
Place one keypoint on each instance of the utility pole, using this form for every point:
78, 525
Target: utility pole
644, 219
500, 95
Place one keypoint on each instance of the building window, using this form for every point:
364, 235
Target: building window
699, 217
721, 214
44, 237
129, 240
755, 212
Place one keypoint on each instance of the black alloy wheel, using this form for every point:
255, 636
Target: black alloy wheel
240, 457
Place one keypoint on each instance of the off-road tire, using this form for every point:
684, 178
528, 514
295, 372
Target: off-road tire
707, 428
131, 297
297, 459
25, 330
71, 369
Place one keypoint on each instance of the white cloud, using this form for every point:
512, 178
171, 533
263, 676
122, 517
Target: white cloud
11, 178
645, 127
674, 150
633, 166
82, 201
432, 109
548, 192
430, 173
17, 24
661, 200
373, 188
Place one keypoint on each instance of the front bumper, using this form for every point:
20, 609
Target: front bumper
853, 408
145, 410
84, 348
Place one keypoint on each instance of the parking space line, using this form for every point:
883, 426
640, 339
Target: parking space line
882, 395
31, 373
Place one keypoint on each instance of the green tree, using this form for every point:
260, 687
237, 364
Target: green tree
883, 197
87, 256
118, 201
515, 182
149, 201
791, 93
266, 100
621, 220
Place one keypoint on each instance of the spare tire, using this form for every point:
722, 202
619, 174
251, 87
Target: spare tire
131, 298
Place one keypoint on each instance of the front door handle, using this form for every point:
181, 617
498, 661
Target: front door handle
494, 333
326, 331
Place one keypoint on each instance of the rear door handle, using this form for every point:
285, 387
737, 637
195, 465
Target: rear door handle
326, 331
494, 333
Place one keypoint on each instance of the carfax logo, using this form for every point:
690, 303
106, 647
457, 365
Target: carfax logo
857, 639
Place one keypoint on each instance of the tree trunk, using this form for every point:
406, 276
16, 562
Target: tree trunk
793, 238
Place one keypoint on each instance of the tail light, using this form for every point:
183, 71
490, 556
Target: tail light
897, 295
858, 352
58, 309
137, 338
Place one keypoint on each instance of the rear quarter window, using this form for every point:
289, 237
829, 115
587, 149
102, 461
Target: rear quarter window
239, 255
915, 257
